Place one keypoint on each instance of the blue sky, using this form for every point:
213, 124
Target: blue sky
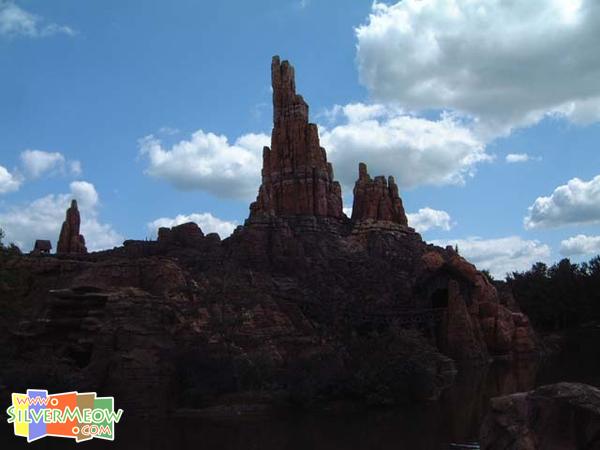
147, 111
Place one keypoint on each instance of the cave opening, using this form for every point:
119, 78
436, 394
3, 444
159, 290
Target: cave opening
439, 299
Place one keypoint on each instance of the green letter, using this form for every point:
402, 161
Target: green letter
10, 412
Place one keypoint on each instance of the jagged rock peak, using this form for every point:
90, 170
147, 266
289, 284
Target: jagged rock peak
70, 241
377, 199
296, 177
287, 105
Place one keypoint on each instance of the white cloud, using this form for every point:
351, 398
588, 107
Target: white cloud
208, 162
85, 194
42, 219
15, 21
358, 112
37, 163
512, 158
505, 63
424, 220
168, 131
206, 221
580, 245
427, 218
500, 256
9, 182
577, 202
75, 167
416, 151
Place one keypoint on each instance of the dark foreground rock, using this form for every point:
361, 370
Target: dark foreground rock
563, 416
300, 304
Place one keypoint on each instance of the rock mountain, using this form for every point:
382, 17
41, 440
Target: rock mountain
300, 304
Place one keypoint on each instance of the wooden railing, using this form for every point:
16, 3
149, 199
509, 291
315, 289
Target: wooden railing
418, 317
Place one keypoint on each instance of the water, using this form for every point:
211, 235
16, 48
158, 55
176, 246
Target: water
455, 418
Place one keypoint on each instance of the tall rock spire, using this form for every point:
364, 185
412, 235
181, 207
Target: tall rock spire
70, 241
287, 105
377, 199
296, 177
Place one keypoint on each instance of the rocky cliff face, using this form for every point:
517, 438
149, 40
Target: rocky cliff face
301, 300
70, 241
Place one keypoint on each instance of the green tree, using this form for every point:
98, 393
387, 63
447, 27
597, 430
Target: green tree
561, 296
487, 274
10, 249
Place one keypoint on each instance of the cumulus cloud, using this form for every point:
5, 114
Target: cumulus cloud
577, 202
206, 221
15, 21
502, 255
580, 245
9, 182
208, 162
507, 64
37, 163
86, 195
415, 150
43, 217
512, 158
427, 218
357, 112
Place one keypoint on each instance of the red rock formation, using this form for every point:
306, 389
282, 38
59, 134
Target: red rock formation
479, 324
296, 177
463, 339
70, 241
295, 291
41, 246
377, 199
184, 234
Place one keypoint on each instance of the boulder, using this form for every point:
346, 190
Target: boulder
563, 416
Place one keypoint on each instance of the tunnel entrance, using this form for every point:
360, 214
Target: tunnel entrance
439, 299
